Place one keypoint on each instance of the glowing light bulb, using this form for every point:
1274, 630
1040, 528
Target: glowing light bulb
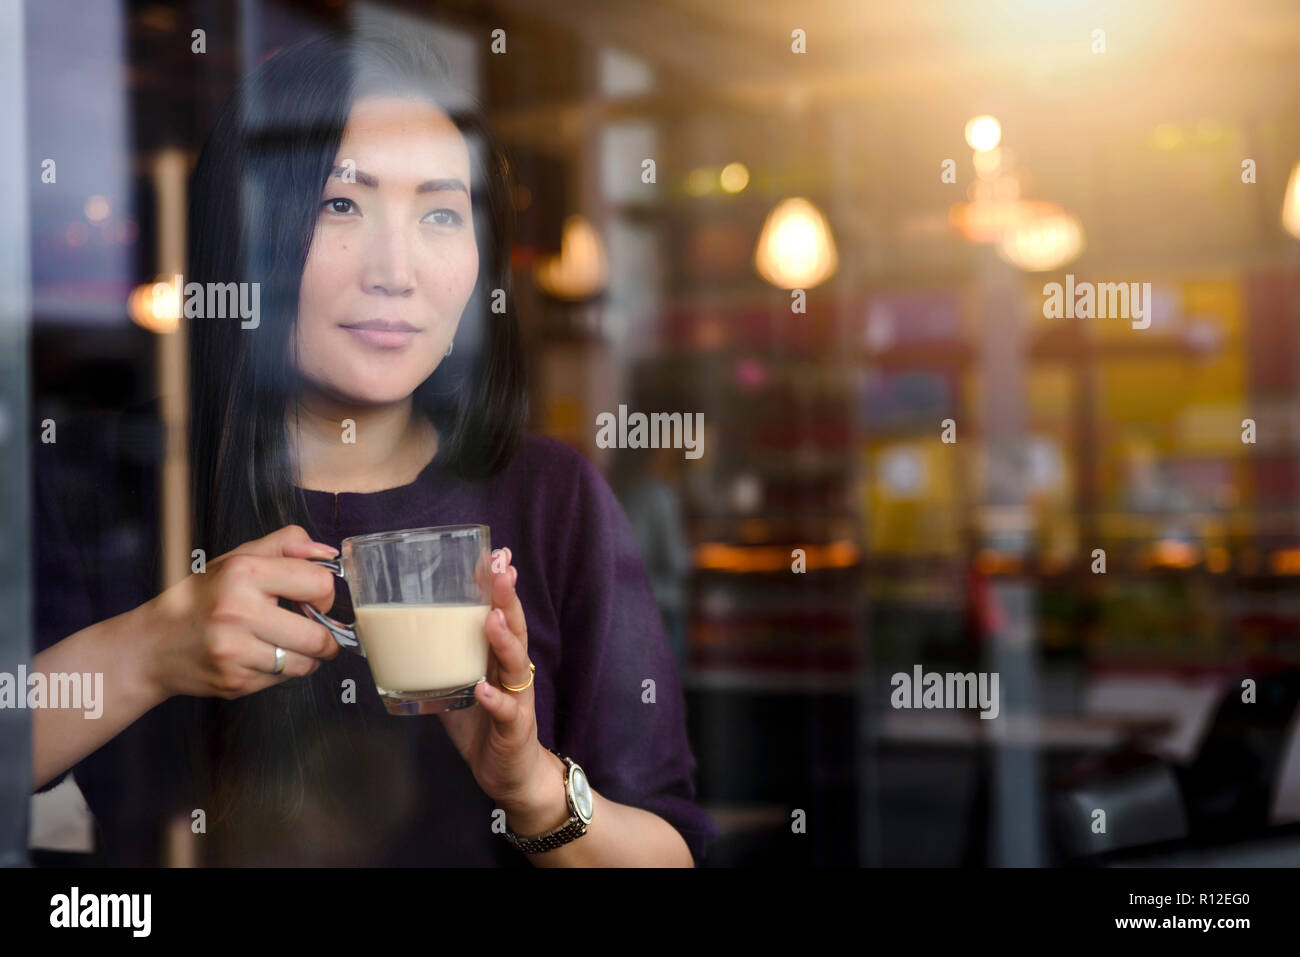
795, 248
734, 177
1291, 204
983, 133
1041, 244
155, 306
580, 271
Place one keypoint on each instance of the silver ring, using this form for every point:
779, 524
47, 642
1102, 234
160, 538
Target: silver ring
280, 657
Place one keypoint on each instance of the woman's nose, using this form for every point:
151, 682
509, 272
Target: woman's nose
388, 264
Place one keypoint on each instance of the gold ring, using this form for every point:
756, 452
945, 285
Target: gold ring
532, 670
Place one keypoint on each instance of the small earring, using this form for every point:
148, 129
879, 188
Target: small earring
449, 347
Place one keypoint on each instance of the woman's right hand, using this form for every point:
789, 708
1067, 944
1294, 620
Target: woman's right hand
215, 633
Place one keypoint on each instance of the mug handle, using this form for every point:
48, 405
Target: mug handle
345, 635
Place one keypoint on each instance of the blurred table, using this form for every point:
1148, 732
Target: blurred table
1066, 732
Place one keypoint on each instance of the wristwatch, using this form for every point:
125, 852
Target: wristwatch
578, 793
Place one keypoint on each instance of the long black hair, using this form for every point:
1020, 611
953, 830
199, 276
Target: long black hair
254, 202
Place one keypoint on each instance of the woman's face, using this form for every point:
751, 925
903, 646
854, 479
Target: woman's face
393, 260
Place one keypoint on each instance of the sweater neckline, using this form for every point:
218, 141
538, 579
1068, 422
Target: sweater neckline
379, 496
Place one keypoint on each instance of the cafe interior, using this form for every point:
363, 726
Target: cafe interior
991, 311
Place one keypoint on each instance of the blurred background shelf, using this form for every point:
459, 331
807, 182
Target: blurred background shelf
769, 681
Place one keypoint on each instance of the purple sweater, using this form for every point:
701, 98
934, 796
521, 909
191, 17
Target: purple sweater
594, 633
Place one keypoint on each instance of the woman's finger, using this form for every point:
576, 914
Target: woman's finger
243, 664
485, 569
512, 656
502, 706
291, 578
291, 540
506, 598
261, 661
295, 632
261, 676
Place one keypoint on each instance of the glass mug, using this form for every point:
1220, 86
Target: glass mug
421, 598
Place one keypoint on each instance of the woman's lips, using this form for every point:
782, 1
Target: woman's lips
383, 338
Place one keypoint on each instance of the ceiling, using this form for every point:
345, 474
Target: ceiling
1144, 141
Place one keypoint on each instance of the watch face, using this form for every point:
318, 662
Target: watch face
581, 794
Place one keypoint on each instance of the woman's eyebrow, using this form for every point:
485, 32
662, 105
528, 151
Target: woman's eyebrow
428, 186
437, 185
365, 179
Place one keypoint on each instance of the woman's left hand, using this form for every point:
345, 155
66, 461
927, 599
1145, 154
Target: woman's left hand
498, 739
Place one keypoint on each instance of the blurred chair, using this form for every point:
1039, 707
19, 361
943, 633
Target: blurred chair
1223, 795
1140, 799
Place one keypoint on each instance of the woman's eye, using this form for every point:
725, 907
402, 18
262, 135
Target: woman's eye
452, 220
339, 205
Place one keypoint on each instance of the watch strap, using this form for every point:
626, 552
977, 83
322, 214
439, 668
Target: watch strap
570, 830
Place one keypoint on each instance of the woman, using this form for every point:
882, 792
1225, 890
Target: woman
379, 387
